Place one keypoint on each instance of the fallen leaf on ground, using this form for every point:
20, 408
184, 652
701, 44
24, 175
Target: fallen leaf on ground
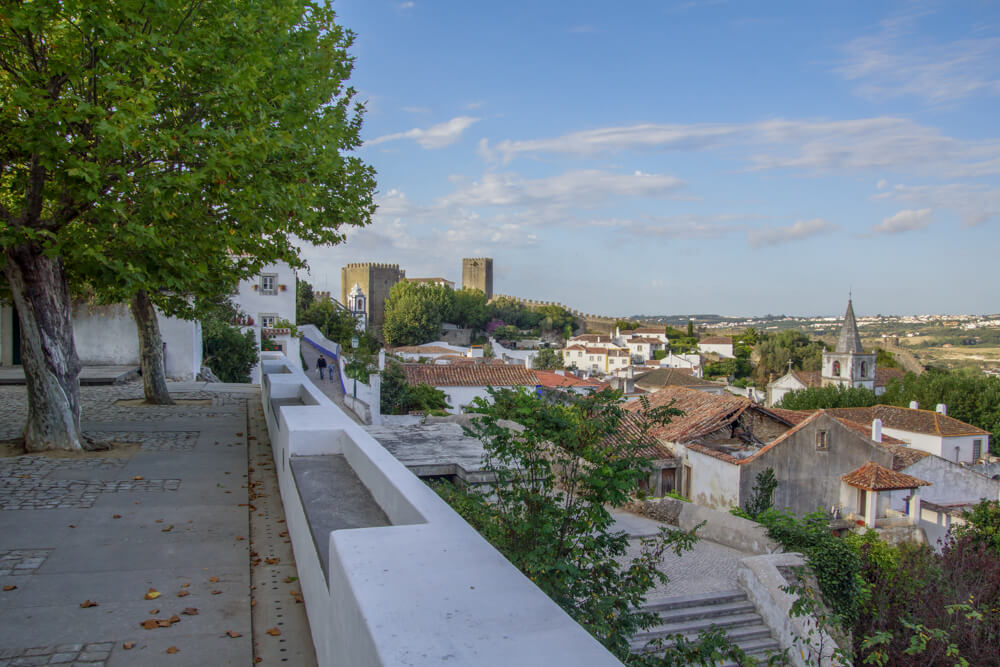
283, 533
116, 516
88, 603
190, 611
174, 619
172, 650
152, 594
289, 580
216, 592
128, 645
185, 585
138, 477
239, 435
213, 579
233, 634
72, 525
239, 538
150, 624
272, 561
253, 603
9, 588
163, 624
274, 632
167, 529
181, 594
159, 521
154, 611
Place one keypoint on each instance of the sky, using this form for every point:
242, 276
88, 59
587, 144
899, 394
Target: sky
645, 157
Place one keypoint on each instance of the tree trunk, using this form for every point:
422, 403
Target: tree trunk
154, 375
48, 353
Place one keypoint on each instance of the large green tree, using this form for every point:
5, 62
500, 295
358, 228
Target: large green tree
414, 312
143, 144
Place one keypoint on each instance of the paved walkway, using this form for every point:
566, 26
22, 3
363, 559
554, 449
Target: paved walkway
331, 388
141, 555
708, 567
89, 375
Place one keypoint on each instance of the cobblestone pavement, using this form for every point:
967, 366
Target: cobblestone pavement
22, 561
61, 654
708, 567
100, 404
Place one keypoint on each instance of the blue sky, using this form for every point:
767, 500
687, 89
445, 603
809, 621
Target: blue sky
685, 157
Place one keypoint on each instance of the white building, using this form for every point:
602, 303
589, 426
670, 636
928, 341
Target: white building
659, 333
602, 360
720, 345
642, 348
463, 383
268, 299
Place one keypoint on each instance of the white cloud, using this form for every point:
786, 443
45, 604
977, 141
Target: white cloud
802, 229
815, 145
407, 5
571, 188
975, 203
435, 136
904, 221
895, 62
881, 184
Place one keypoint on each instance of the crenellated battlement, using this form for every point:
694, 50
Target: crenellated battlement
372, 265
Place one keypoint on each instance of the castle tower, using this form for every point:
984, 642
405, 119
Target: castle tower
373, 280
848, 365
477, 273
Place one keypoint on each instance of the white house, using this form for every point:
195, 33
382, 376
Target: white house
268, 299
463, 383
601, 360
929, 431
642, 348
659, 333
720, 345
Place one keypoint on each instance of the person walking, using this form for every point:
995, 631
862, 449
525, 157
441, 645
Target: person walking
321, 365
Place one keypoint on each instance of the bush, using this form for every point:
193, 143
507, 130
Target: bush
227, 352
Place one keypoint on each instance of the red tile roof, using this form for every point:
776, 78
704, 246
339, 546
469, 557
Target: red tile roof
874, 477
927, 422
471, 375
703, 413
423, 349
716, 340
553, 379
809, 378
883, 375
669, 377
647, 341
648, 330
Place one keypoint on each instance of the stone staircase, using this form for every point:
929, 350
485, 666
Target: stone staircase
730, 611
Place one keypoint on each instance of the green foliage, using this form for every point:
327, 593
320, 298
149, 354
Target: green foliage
982, 525
750, 336
835, 563
830, 396
690, 329
626, 325
547, 359
659, 354
400, 398
548, 511
338, 325
762, 497
304, 297
729, 368
470, 309
414, 313
227, 352
775, 350
885, 359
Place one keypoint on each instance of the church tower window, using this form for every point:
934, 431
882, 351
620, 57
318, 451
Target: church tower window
864, 369
836, 368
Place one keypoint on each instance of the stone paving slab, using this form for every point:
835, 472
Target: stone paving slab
114, 537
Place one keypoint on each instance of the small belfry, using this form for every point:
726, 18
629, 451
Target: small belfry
356, 303
848, 365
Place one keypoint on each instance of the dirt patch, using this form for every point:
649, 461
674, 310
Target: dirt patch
141, 402
118, 450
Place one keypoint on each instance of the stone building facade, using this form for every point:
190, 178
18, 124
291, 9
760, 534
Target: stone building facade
375, 280
477, 273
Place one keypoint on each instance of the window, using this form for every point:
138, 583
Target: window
864, 369
268, 283
836, 368
822, 441
268, 320
977, 450
958, 454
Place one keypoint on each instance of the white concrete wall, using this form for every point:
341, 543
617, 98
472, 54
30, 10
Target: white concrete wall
724, 351
936, 526
950, 483
714, 483
940, 445
107, 336
426, 590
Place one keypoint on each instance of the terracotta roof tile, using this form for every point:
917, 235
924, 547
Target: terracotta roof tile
703, 413
423, 349
553, 379
927, 422
883, 375
471, 375
668, 377
647, 341
809, 378
648, 330
716, 340
874, 477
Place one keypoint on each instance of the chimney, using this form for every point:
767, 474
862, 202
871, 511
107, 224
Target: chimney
941, 409
914, 405
877, 430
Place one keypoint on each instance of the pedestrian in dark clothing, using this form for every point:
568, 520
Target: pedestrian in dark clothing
321, 365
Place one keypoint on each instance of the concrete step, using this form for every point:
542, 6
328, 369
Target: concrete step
737, 628
694, 600
707, 611
758, 647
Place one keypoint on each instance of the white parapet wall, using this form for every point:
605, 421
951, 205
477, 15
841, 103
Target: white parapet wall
425, 590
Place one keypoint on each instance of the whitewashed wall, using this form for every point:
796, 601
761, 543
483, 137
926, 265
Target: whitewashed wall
714, 483
107, 336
